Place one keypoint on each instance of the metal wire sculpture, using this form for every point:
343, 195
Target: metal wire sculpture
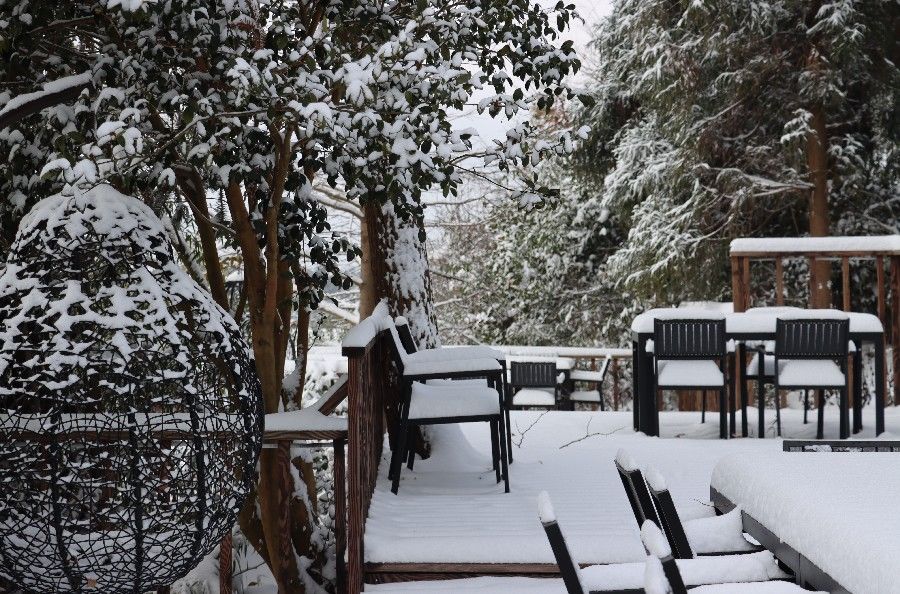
130, 411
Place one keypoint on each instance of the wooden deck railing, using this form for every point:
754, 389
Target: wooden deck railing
372, 392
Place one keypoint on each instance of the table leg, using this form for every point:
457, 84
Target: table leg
879, 385
635, 387
857, 390
648, 419
740, 383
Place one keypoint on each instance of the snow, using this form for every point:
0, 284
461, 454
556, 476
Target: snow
792, 245
654, 540
413, 366
838, 510
306, 419
584, 375
689, 373
545, 508
655, 479
758, 319
365, 332
644, 322
48, 88
624, 459
655, 581
449, 509
533, 397
810, 372
717, 534
585, 396
430, 401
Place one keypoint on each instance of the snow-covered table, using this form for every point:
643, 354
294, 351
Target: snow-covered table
830, 517
755, 324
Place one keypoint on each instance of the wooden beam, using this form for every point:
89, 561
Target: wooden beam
738, 286
895, 324
745, 282
845, 278
779, 281
881, 296
226, 578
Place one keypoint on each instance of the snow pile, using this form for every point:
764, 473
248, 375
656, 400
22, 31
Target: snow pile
655, 581
851, 532
654, 540
624, 459
545, 508
717, 534
801, 245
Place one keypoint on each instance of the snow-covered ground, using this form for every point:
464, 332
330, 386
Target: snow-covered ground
450, 510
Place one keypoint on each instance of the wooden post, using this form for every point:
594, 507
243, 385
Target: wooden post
845, 278
340, 514
225, 571
739, 289
779, 281
355, 513
882, 301
895, 324
614, 364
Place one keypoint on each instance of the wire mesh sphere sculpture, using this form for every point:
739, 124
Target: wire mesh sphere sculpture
130, 411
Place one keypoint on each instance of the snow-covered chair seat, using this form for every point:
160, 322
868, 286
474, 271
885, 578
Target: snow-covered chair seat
586, 375
533, 397
430, 402
693, 373
808, 373
592, 396
769, 362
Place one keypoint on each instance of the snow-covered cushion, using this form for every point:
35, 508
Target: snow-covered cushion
429, 402
752, 567
717, 534
585, 396
583, 375
675, 373
533, 397
416, 364
810, 372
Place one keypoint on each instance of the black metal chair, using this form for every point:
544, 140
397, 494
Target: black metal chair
422, 404
468, 351
533, 384
636, 489
811, 354
689, 354
591, 378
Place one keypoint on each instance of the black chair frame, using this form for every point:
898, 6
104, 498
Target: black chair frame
816, 339
638, 495
693, 339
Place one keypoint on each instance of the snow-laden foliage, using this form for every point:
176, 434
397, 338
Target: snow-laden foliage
129, 411
702, 124
358, 92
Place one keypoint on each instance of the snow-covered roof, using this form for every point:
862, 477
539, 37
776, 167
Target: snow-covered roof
863, 244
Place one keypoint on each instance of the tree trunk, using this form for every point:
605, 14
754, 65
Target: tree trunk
817, 163
395, 267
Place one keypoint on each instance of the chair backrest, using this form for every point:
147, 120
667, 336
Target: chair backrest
689, 339
638, 495
532, 374
812, 338
669, 520
568, 568
406, 338
660, 555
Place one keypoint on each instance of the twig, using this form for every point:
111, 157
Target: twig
588, 434
527, 429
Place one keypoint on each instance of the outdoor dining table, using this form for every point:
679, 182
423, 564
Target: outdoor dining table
756, 324
830, 517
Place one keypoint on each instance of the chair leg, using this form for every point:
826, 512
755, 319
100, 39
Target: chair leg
723, 413
778, 413
820, 425
805, 406
761, 405
398, 455
857, 391
495, 447
506, 408
504, 458
844, 413
703, 406
411, 454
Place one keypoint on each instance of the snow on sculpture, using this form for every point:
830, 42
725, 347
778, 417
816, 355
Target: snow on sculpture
130, 412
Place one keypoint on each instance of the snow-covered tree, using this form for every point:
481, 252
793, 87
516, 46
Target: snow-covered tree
719, 119
249, 102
